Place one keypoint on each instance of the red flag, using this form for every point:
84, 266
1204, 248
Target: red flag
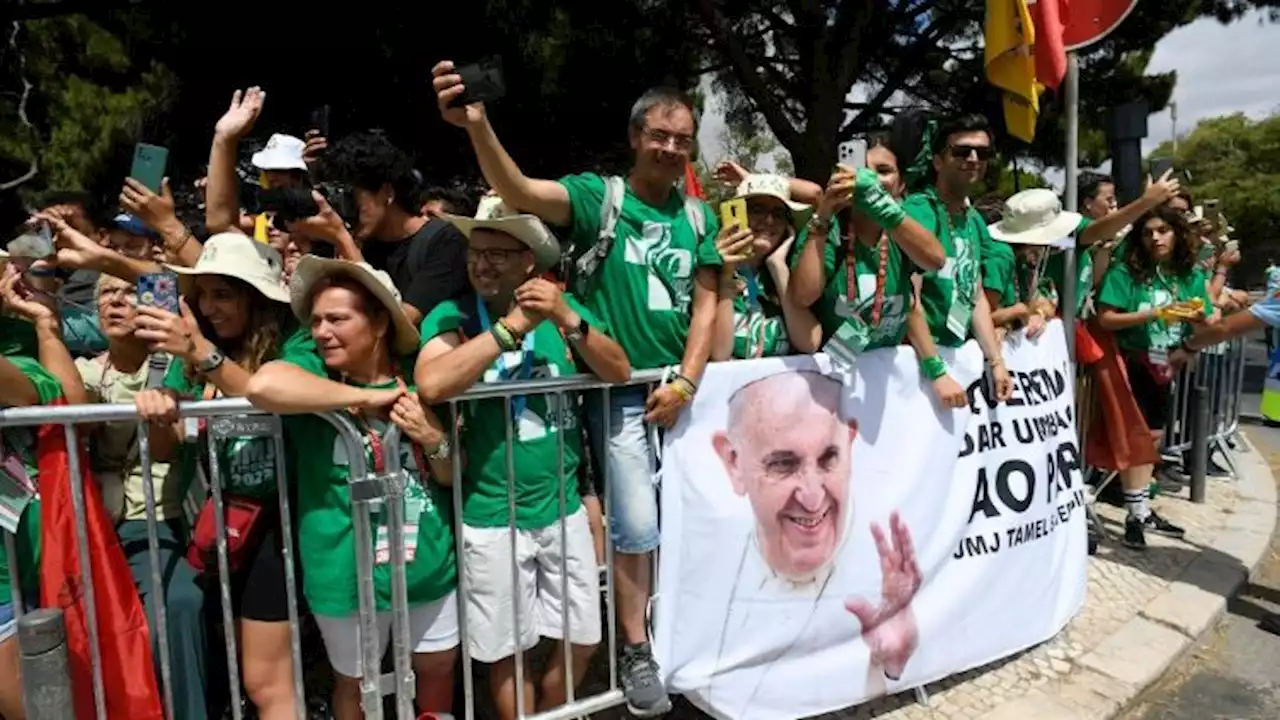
1050, 20
128, 674
692, 187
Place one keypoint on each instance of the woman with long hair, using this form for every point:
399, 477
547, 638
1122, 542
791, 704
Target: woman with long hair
363, 349
1149, 301
233, 319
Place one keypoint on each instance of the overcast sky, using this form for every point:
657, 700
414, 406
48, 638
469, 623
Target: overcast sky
1221, 69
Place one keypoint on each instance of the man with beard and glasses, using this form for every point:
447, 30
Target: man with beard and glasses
647, 267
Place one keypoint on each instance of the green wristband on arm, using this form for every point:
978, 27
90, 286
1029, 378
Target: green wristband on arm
875, 202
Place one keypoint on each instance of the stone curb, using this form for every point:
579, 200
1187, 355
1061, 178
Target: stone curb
1112, 676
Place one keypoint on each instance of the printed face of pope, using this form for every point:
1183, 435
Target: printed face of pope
788, 452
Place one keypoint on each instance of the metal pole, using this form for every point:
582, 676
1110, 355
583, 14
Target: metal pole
158, 593
1199, 441
1173, 118
46, 675
86, 570
1069, 272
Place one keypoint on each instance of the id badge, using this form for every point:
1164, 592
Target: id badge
15, 494
843, 308
1158, 356
413, 507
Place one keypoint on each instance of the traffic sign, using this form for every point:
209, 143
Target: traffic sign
1088, 21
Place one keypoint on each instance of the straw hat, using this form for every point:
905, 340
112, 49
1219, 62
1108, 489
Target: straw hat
237, 256
493, 214
775, 186
1034, 217
312, 269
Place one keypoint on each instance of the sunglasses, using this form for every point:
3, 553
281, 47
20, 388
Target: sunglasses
962, 152
776, 212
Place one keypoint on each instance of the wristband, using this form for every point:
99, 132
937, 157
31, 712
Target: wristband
683, 387
933, 367
693, 387
819, 226
876, 202
506, 338
997, 362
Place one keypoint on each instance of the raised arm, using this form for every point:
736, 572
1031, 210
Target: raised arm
41, 310
809, 277
545, 198
157, 211
1157, 193
74, 250
222, 197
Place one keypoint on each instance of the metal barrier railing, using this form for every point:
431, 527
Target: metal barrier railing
1218, 373
235, 418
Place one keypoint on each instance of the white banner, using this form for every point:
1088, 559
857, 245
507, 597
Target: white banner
823, 544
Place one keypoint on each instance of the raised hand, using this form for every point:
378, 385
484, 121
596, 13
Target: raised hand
734, 245
890, 630
154, 210
245, 108
730, 173
1163, 190
18, 298
179, 335
448, 86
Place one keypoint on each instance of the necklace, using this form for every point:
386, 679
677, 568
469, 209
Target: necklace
851, 275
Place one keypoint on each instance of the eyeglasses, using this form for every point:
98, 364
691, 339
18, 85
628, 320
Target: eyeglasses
663, 138
498, 257
962, 152
776, 212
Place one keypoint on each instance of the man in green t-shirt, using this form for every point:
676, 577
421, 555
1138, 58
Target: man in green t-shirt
647, 257
952, 306
515, 325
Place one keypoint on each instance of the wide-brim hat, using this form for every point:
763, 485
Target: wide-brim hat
775, 186
238, 256
282, 152
1034, 217
493, 214
312, 269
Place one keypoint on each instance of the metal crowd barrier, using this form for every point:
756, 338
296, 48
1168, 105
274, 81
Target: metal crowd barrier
235, 417
1218, 376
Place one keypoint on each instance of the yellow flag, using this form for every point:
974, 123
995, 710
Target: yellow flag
1011, 64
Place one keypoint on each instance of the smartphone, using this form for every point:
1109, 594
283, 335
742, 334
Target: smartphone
159, 290
482, 82
1231, 245
1211, 209
1160, 166
320, 120
852, 153
733, 213
149, 163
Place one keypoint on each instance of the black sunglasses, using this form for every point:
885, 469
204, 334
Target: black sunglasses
961, 152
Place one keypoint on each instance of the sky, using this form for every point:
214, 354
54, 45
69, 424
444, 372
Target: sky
1222, 69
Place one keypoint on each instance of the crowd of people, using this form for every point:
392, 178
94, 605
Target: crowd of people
387, 299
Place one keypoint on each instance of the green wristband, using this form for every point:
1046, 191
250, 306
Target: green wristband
933, 367
875, 201
505, 338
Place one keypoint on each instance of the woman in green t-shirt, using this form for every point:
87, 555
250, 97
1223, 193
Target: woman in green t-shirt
363, 342
1157, 274
233, 318
755, 317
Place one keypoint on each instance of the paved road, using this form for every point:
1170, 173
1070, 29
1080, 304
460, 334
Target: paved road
1235, 673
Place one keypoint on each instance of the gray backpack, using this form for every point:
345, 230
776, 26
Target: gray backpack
615, 189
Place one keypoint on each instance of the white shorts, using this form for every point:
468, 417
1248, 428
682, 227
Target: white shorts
487, 568
432, 628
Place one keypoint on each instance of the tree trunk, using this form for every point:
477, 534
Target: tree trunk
815, 159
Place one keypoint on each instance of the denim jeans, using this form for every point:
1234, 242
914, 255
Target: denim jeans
630, 475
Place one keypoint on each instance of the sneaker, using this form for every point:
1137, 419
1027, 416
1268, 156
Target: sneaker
1093, 542
1160, 526
638, 671
1134, 537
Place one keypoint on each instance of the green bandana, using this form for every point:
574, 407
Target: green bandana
919, 174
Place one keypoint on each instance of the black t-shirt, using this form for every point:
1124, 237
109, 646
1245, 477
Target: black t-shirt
427, 267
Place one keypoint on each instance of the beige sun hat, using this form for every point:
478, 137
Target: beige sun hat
312, 269
493, 214
775, 186
1034, 217
283, 152
238, 256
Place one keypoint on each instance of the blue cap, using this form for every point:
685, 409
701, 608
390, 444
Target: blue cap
132, 225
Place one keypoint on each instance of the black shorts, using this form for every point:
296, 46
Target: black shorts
258, 587
1154, 399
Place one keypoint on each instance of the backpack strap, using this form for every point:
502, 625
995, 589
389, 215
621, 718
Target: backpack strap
695, 213
615, 190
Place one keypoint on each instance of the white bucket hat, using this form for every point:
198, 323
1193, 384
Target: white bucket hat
283, 152
775, 186
312, 269
493, 214
238, 256
1034, 217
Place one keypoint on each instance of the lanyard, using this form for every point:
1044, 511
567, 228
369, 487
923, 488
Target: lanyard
753, 288
526, 362
380, 455
851, 275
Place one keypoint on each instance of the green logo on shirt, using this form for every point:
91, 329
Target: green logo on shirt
670, 269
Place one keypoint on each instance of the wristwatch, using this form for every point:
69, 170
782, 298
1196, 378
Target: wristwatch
211, 363
443, 450
579, 333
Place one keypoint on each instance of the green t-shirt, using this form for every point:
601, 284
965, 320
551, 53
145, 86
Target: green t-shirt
326, 535
1121, 291
759, 327
21, 441
1055, 266
948, 296
833, 308
999, 271
537, 429
643, 291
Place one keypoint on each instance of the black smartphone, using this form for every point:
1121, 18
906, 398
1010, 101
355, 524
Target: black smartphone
482, 82
320, 120
1160, 166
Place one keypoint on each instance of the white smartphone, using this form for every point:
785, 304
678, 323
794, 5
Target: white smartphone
852, 153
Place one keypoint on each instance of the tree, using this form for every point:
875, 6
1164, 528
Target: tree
1237, 161
793, 64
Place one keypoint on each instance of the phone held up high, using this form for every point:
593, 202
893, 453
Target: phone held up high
852, 153
320, 120
733, 213
482, 82
159, 290
1160, 166
148, 165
